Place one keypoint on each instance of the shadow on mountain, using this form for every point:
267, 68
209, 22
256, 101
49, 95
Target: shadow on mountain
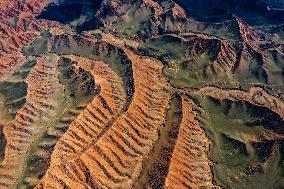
78, 13
221, 10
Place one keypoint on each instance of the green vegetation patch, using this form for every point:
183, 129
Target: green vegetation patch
39, 45
3, 143
264, 69
134, 22
228, 30
189, 65
12, 98
246, 143
193, 62
22, 72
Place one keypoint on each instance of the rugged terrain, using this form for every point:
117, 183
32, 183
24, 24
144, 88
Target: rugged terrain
140, 94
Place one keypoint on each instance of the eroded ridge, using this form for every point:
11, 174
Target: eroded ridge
21, 132
94, 120
190, 165
79, 90
131, 94
114, 159
58, 90
156, 165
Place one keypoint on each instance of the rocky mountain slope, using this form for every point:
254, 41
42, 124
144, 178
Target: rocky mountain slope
140, 94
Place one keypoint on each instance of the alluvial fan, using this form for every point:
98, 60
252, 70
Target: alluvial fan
141, 94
